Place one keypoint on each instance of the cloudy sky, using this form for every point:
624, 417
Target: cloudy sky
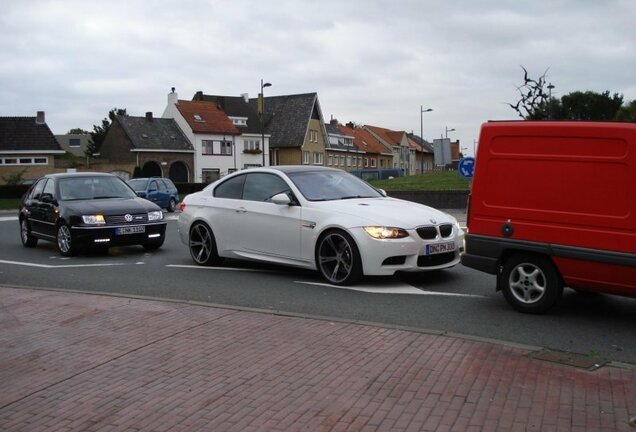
370, 61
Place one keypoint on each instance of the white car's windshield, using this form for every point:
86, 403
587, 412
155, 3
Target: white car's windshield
331, 185
82, 188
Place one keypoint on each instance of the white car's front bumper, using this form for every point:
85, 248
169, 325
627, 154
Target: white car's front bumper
385, 257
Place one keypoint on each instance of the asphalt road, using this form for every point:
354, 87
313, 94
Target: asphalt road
459, 300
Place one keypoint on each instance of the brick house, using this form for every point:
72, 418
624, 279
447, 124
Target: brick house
27, 147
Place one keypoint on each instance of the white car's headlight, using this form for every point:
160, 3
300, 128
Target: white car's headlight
93, 219
155, 215
381, 232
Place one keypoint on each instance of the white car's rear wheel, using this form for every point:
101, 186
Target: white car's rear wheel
202, 245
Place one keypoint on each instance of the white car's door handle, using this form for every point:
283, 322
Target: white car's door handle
241, 210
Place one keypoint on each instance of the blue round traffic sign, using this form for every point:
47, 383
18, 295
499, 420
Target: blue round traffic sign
466, 167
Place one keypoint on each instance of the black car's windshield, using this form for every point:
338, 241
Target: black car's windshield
331, 185
98, 187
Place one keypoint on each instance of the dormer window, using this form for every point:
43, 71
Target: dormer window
198, 118
239, 121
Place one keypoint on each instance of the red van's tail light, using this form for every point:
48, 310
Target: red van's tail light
181, 207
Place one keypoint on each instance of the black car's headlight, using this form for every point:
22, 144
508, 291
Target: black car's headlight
93, 219
155, 215
381, 232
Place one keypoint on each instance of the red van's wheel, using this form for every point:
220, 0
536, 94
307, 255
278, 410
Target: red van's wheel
530, 283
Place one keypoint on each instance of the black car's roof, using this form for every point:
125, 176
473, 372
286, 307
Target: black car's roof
79, 174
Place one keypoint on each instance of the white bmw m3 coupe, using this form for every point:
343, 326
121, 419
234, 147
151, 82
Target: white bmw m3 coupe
316, 218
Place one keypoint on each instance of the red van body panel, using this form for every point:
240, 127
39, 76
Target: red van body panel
563, 189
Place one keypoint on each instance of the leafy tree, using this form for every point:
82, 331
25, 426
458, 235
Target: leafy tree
627, 113
591, 106
99, 132
77, 131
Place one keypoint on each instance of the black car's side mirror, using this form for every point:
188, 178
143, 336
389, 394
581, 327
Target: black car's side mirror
47, 198
141, 194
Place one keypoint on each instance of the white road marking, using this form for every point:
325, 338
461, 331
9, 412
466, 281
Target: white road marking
27, 264
8, 218
394, 288
216, 268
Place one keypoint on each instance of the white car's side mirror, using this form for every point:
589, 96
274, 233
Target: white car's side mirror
281, 199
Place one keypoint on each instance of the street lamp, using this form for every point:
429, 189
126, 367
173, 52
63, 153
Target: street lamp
422, 111
448, 130
261, 115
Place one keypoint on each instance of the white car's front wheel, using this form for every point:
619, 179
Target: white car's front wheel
338, 258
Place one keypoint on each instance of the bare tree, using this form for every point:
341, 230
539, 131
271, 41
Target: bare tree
534, 101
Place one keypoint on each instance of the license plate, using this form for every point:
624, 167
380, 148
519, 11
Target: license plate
438, 248
130, 230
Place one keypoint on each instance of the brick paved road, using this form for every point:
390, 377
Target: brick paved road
80, 362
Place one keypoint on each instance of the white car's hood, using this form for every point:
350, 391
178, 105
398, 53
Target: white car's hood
387, 212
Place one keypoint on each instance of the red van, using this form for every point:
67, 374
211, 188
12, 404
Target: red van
553, 204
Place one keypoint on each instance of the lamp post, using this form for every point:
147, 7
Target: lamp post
422, 111
261, 115
448, 130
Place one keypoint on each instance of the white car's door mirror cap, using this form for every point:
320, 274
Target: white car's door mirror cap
281, 199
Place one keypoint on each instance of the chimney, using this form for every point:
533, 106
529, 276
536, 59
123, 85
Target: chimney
198, 96
39, 118
350, 125
333, 122
173, 97
149, 116
246, 97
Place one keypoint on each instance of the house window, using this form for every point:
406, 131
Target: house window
342, 161
209, 147
251, 144
246, 166
348, 160
226, 147
74, 142
318, 158
366, 162
313, 135
382, 163
25, 161
210, 175
305, 158
198, 118
374, 163
330, 160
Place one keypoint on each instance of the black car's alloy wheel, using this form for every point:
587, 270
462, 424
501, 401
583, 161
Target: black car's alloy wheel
202, 245
64, 240
338, 259
25, 234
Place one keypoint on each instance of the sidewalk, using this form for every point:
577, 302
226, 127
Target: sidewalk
85, 362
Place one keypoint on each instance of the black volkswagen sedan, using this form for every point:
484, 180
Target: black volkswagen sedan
88, 210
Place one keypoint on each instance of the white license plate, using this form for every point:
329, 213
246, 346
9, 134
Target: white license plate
130, 230
438, 248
